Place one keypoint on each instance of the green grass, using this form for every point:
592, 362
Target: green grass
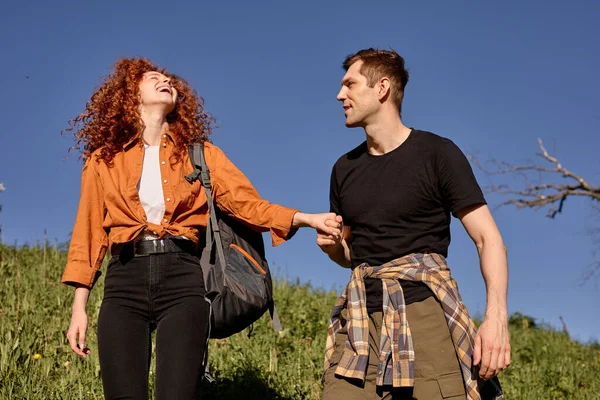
36, 362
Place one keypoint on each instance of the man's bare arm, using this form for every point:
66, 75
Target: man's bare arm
492, 344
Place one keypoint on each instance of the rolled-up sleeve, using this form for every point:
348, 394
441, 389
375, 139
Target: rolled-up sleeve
235, 195
89, 240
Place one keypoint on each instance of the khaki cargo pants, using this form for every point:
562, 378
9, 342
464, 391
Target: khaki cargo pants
437, 371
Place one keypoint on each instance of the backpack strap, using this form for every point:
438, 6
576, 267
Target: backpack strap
202, 172
275, 318
207, 375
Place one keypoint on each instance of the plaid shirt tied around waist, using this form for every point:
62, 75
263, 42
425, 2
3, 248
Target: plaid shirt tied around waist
397, 357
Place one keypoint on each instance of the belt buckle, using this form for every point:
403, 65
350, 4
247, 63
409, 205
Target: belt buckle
159, 246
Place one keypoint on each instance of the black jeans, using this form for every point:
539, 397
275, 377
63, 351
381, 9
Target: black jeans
163, 292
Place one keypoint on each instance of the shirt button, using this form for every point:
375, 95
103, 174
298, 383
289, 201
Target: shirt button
163, 163
165, 220
164, 145
168, 199
165, 181
164, 135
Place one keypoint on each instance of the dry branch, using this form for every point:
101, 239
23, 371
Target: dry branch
538, 195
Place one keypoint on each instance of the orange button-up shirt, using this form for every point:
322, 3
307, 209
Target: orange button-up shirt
110, 210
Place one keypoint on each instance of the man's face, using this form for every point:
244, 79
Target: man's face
360, 101
155, 88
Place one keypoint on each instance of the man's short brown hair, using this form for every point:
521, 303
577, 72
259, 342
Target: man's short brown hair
382, 63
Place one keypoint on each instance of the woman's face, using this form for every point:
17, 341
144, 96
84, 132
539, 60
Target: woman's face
156, 90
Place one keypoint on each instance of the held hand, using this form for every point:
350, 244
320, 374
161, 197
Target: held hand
326, 224
325, 240
492, 347
76, 333
331, 243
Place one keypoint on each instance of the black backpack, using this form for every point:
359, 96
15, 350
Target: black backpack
236, 274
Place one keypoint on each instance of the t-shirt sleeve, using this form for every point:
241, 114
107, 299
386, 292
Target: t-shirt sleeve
457, 181
334, 198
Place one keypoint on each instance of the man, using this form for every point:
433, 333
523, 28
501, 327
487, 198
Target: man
400, 330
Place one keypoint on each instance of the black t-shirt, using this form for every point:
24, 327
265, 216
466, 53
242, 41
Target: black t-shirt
400, 203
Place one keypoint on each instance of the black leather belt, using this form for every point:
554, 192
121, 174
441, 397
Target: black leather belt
141, 248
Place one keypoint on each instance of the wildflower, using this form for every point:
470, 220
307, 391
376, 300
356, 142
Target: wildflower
37, 356
66, 364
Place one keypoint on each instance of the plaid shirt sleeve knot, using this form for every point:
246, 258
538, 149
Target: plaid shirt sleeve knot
397, 357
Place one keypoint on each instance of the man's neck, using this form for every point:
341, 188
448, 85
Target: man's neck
385, 134
155, 125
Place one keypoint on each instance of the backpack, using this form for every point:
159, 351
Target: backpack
236, 273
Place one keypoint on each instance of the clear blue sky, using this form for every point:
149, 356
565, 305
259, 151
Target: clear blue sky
493, 78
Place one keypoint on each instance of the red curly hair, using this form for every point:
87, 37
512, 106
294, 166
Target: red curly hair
111, 117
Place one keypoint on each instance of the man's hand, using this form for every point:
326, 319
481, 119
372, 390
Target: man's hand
328, 242
327, 224
492, 347
335, 246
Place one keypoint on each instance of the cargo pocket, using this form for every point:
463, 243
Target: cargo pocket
452, 386
339, 344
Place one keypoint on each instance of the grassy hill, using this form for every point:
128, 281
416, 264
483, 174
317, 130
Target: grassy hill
36, 362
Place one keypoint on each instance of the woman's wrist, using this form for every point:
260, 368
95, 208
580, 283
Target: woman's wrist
301, 220
80, 299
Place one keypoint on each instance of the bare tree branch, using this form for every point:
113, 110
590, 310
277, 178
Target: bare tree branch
564, 325
591, 271
540, 194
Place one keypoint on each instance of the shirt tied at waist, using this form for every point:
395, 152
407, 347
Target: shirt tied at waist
397, 357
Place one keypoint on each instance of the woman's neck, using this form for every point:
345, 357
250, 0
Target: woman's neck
155, 124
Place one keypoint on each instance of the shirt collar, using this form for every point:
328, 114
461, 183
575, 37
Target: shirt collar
130, 141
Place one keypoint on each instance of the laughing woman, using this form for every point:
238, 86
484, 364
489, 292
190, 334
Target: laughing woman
133, 135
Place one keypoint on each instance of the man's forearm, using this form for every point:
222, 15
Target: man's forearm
340, 254
494, 268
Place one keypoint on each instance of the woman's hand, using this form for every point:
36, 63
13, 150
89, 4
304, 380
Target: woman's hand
79, 322
76, 333
324, 223
328, 241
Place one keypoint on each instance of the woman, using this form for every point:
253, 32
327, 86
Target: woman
135, 131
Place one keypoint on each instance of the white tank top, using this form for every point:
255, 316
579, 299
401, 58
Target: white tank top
150, 187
